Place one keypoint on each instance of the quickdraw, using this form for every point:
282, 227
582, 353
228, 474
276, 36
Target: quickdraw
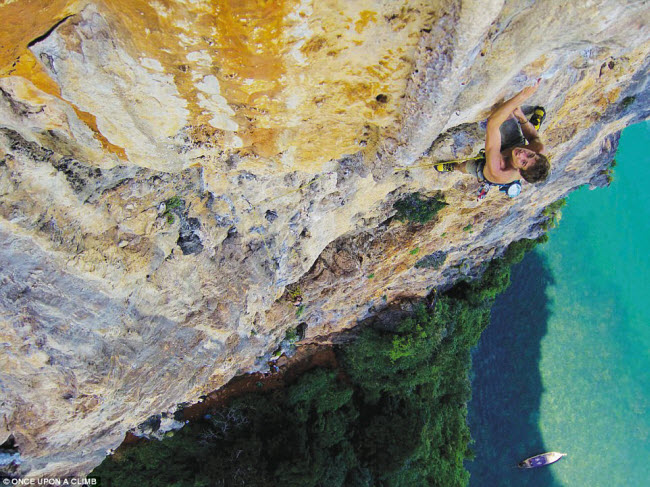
511, 190
483, 191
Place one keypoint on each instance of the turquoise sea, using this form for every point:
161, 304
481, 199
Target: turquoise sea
565, 363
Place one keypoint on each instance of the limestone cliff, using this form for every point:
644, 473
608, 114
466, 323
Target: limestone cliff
171, 170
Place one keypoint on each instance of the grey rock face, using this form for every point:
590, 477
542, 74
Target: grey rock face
118, 302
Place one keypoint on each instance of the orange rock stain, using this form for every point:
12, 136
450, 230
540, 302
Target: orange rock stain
295, 79
249, 48
241, 39
366, 17
25, 21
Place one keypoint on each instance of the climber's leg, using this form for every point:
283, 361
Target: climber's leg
471, 167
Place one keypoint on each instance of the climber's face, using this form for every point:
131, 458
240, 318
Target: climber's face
523, 158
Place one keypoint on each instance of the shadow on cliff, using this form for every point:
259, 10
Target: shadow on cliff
507, 386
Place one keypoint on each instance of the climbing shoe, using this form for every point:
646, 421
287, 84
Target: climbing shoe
445, 167
539, 114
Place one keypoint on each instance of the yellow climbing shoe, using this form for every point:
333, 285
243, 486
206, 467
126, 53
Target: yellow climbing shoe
539, 114
445, 167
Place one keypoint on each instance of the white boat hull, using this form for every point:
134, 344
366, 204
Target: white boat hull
541, 460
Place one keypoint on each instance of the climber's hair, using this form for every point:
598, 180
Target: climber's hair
537, 172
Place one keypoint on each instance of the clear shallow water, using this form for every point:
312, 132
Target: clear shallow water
564, 365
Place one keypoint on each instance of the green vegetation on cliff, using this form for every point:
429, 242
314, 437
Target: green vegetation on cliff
394, 415
417, 208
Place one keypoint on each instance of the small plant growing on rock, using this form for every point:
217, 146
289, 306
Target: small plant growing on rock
291, 336
610, 171
432, 261
553, 214
416, 208
300, 310
627, 101
172, 203
287, 346
294, 295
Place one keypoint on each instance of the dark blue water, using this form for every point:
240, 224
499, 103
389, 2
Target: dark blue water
564, 365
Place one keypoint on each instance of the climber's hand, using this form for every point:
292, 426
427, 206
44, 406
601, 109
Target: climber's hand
519, 115
529, 90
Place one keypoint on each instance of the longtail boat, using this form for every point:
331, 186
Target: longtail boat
541, 460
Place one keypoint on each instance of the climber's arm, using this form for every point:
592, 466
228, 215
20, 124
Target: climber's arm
503, 111
492, 150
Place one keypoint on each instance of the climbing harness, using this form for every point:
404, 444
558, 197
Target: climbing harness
511, 189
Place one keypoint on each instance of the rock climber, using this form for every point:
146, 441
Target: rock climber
521, 156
